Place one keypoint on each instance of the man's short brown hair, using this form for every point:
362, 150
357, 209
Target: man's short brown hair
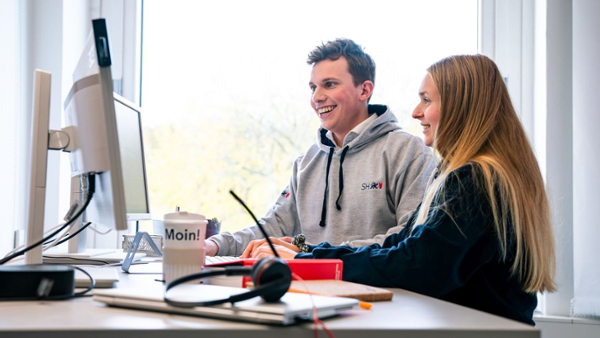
360, 65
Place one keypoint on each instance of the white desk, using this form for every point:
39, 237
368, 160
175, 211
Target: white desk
407, 315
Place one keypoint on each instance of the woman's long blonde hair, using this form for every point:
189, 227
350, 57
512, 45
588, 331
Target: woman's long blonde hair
478, 125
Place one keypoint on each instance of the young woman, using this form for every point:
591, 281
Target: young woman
482, 236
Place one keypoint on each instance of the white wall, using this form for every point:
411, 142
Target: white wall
586, 157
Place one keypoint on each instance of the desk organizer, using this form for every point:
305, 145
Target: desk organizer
144, 246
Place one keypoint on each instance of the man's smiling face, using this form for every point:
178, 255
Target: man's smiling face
339, 104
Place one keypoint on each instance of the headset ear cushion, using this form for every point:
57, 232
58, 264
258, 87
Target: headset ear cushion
274, 271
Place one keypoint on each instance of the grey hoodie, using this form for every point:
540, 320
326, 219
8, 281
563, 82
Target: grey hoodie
355, 195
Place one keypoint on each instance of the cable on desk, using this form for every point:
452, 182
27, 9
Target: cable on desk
90, 260
92, 187
92, 283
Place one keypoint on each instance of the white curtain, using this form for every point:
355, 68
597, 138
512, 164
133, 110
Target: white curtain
586, 159
13, 137
32, 36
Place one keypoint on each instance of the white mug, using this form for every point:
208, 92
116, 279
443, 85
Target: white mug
184, 249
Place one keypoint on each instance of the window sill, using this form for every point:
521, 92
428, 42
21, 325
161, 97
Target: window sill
566, 320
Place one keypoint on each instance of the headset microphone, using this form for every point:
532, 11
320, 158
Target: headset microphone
257, 222
271, 276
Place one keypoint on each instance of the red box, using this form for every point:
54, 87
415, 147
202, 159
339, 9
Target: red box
307, 269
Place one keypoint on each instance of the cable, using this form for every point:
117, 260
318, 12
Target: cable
100, 232
50, 244
92, 187
262, 230
61, 236
316, 320
90, 260
19, 253
92, 283
46, 246
74, 234
23, 245
83, 227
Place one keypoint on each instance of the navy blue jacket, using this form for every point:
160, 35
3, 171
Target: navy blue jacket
456, 258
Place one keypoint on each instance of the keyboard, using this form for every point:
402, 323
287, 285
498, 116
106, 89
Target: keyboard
105, 277
210, 260
89, 257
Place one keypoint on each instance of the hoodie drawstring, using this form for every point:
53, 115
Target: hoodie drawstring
337, 202
341, 181
324, 209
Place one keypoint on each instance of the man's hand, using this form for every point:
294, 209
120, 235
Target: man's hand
211, 248
260, 249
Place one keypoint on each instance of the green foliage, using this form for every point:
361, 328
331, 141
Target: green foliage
248, 148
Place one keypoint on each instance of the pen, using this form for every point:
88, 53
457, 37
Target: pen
364, 305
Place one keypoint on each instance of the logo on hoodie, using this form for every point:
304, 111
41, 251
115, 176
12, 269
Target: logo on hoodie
371, 186
285, 193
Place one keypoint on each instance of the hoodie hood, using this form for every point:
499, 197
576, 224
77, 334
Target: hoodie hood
385, 122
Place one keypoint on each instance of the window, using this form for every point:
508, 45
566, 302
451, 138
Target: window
225, 88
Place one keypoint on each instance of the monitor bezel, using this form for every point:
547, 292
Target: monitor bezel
138, 110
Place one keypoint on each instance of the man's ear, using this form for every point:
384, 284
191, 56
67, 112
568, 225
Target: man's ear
366, 90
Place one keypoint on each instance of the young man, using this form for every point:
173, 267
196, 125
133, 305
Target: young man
363, 177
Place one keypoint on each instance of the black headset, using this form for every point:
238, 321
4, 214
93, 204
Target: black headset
271, 276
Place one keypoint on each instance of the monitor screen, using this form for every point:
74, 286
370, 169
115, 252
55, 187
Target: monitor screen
131, 146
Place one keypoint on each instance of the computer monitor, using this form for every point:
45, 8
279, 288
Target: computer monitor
96, 121
133, 169
133, 163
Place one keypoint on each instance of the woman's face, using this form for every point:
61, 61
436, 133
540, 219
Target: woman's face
427, 111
